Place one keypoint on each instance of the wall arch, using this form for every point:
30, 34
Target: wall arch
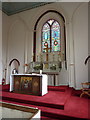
16, 44
53, 14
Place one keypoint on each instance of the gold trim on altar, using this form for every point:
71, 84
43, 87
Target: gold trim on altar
26, 78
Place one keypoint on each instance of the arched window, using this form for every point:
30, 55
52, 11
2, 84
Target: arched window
51, 36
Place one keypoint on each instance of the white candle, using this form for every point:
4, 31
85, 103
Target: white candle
25, 69
40, 71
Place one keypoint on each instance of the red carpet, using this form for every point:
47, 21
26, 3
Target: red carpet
63, 103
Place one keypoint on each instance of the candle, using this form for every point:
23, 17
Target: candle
59, 56
26, 66
40, 71
41, 57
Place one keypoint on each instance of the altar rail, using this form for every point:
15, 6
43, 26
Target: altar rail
12, 111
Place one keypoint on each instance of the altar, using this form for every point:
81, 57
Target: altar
34, 84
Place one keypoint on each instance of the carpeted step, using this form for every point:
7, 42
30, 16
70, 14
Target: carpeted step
52, 99
75, 108
57, 88
37, 100
47, 118
61, 116
53, 113
4, 87
35, 103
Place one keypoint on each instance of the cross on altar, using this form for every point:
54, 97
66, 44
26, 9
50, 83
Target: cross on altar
47, 52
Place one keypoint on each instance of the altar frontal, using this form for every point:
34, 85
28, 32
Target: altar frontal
34, 84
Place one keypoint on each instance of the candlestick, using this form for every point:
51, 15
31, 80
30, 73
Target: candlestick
41, 57
59, 56
26, 66
32, 58
53, 56
37, 58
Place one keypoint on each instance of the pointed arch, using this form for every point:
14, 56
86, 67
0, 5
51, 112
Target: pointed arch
14, 60
51, 36
35, 27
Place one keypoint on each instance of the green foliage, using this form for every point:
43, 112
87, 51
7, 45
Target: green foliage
38, 67
53, 67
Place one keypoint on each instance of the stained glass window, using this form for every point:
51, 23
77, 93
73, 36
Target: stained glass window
46, 37
51, 36
55, 36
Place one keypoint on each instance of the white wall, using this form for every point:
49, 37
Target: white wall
89, 43
20, 39
5, 28
0, 47
17, 42
80, 32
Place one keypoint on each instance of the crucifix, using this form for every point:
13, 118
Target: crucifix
47, 52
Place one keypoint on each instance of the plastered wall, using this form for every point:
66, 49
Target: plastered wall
20, 39
0, 46
80, 36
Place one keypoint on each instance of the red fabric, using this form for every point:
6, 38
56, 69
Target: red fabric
51, 104
4, 87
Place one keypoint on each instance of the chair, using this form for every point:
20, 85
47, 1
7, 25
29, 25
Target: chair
85, 89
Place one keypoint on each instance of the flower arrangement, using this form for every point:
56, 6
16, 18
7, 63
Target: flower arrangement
53, 67
38, 67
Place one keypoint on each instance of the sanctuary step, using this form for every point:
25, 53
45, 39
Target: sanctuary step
53, 114
74, 107
47, 118
47, 100
4, 87
58, 88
